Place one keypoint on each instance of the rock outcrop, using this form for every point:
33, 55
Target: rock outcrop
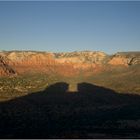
82, 57
6, 69
125, 58
13, 62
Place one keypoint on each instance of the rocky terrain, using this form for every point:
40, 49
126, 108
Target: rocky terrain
5, 68
69, 95
19, 62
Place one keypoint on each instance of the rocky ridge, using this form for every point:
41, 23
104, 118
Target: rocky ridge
13, 62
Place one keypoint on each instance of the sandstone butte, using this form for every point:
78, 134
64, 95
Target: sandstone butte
70, 63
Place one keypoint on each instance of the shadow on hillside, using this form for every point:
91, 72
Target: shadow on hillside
90, 112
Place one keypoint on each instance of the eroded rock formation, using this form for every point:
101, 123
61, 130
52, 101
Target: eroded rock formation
13, 62
5, 68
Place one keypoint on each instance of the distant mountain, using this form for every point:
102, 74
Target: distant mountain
13, 62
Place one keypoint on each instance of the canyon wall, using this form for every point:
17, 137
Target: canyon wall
20, 62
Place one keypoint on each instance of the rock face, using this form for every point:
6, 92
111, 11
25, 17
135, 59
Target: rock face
6, 69
14, 62
81, 57
125, 58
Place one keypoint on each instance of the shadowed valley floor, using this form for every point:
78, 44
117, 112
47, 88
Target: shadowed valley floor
59, 112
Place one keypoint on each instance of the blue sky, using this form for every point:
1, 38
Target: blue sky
70, 26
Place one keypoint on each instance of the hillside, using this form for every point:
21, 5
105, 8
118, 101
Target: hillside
22, 72
70, 63
5, 68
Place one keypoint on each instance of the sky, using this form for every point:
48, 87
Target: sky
62, 26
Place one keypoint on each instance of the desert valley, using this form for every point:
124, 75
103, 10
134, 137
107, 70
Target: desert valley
83, 94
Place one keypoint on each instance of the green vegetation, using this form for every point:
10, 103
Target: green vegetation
11, 87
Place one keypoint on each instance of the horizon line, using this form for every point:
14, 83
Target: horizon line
67, 51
